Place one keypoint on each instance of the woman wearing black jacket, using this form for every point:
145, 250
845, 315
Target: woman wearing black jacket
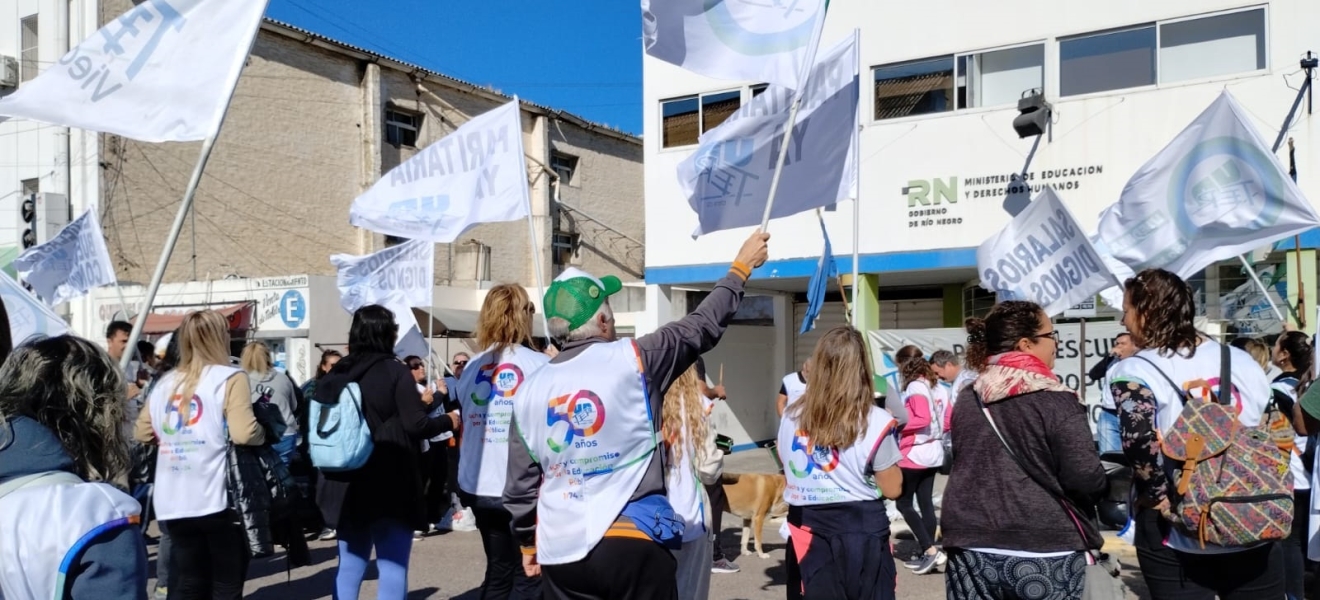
380, 504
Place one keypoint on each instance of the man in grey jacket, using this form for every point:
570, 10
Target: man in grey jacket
558, 490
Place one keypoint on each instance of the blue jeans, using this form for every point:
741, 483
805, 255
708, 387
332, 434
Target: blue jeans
287, 448
1106, 430
393, 543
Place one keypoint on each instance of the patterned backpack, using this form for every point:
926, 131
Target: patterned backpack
1231, 484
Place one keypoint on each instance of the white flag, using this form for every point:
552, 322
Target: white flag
28, 318
474, 175
70, 264
1215, 192
161, 72
406, 271
1043, 256
727, 179
755, 40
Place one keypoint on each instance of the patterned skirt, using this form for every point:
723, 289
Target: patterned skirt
981, 576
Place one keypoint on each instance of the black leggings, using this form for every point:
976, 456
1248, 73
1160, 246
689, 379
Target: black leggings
919, 484
1294, 548
209, 557
505, 577
718, 504
1171, 575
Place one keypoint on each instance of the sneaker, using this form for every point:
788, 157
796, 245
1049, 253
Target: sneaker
724, 565
418, 535
327, 534
942, 559
915, 561
162, 593
929, 563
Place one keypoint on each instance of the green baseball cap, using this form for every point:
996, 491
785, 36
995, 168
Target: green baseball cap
575, 296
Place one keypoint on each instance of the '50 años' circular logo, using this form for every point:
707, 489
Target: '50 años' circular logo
174, 420
583, 412
761, 27
496, 380
1228, 182
819, 458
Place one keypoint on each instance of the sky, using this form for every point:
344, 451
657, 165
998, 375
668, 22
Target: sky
582, 56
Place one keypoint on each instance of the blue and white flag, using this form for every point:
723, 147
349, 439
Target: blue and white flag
1043, 256
406, 271
161, 72
727, 179
826, 271
756, 40
1215, 192
477, 174
70, 264
29, 319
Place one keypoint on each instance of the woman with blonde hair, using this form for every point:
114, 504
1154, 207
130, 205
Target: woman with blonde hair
841, 460
923, 454
194, 412
271, 388
693, 461
488, 389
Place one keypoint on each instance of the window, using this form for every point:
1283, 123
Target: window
28, 51
31, 186
1211, 46
564, 248
564, 165
1107, 61
1000, 76
915, 88
758, 89
401, 127
685, 119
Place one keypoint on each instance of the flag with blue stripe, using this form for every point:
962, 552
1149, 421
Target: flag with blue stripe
820, 282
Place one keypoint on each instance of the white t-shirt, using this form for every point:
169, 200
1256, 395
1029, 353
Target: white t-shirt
1251, 395
794, 387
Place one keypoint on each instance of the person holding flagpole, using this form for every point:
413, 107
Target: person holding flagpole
488, 390
586, 486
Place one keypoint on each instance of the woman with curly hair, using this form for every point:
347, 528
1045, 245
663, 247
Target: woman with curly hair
923, 454
692, 461
1158, 308
61, 426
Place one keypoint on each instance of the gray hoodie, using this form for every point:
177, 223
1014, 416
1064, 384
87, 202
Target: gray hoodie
275, 387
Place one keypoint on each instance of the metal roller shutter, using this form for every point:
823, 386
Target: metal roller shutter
894, 314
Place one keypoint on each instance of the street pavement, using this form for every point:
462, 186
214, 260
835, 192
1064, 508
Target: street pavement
451, 566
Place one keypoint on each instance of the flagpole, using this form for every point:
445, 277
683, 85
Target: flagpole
184, 208
783, 152
1256, 278
857, 166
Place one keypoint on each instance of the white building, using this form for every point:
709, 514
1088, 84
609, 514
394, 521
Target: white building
938, 148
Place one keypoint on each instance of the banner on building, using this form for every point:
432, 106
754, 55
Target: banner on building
1043, 256
161, 72
751, 40
1068, 365
28, 318
70, 264
727, 179
474, 175
1215, 192
406, 270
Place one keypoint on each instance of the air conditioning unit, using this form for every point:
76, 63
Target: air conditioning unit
8, 71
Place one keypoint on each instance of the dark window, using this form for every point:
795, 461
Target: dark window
1107, 61
915, 88
401, 128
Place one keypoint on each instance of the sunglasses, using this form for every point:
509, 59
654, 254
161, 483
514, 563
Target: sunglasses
416, 367
460, 363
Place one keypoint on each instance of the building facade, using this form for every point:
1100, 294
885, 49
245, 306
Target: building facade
941, 82
314, 122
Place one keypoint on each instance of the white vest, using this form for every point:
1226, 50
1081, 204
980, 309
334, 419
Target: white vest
588, 423
191, 467
1301, 479
819, 475
1251, 395
795, 388
685, 492
927, 450
40, 524
488, 390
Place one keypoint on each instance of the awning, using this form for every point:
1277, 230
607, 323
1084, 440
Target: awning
239, 316
459, 323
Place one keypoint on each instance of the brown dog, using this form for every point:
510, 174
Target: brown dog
754, 497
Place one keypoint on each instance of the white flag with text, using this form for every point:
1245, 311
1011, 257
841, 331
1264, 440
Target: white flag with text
402, 273
1043, 256
1215, 192
474, 175
755, 40
727, 179
28, 318
70, 264
161, 72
